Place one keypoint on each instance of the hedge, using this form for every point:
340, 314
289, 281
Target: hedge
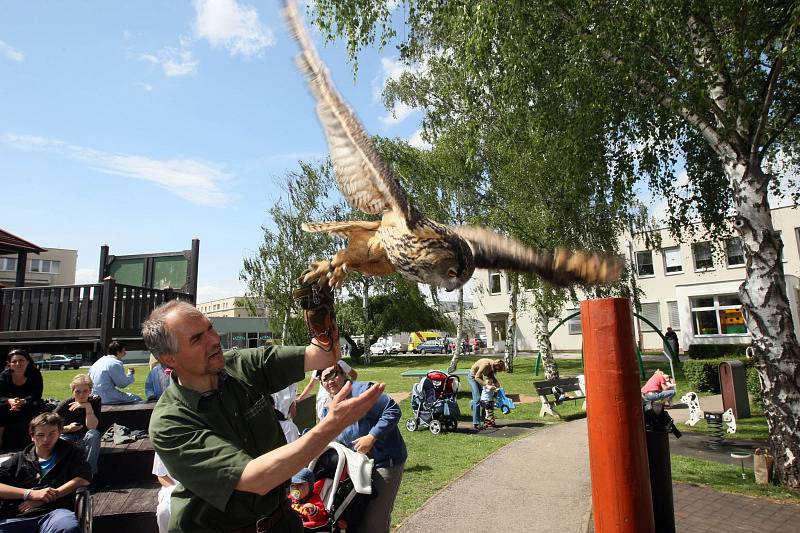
703, 374
715, 351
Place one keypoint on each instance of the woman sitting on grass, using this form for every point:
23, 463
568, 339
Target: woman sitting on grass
81, 415
20, 399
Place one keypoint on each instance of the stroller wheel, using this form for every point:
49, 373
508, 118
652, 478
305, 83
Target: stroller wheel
435, 427
411, 424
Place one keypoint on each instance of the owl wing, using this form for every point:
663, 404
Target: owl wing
559, 267
341, 229
364, 178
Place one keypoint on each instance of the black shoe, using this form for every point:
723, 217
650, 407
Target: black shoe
477, 427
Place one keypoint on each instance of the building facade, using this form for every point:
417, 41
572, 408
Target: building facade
691, 287
56, 266
231, 307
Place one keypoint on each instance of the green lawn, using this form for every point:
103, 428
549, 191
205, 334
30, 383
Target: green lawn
435, 460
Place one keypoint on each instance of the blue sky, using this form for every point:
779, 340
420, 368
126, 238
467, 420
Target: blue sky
142, 125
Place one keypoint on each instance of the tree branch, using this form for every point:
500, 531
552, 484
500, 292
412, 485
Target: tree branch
789, 118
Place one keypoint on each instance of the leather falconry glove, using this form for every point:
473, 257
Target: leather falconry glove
318, 312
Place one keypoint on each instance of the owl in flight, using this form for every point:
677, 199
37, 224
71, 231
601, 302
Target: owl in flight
404, 240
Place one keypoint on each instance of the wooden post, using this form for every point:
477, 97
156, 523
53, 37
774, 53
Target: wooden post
621, 499
101, 270
194, 264
107, 313
22, 265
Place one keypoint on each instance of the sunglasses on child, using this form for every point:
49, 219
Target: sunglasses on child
327, 378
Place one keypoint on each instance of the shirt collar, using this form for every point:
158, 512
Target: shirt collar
190, 397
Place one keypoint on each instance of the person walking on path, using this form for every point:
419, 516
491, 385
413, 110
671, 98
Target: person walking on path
108, 376
478, 373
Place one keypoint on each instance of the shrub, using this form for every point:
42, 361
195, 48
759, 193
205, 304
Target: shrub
703, 374
754, 384
715, 351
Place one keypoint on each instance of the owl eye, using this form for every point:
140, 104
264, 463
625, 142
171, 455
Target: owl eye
452, 273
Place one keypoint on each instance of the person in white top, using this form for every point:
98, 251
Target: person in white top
284, 401
168, 484
323, 397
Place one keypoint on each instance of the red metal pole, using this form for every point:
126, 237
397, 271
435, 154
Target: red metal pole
621, 499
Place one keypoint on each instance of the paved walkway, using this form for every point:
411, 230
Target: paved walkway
541, 483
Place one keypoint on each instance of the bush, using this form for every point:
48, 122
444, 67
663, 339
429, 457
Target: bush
754, 384
715, 351
703, 374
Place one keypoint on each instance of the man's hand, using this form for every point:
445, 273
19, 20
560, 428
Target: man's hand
72, 428
26, 506
46, 495
364, 444
343, 410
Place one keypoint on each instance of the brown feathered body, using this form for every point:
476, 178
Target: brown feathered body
404, 240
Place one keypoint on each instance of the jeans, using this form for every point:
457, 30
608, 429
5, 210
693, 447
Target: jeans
476, 389
90, 443
663, 395
56, 521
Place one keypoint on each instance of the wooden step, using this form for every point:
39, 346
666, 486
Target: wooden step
126, 507
133, 416
121, 463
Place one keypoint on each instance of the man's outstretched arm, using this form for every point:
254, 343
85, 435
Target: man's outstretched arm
267, 471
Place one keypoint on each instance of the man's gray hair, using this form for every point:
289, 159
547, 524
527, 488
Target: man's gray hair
158, 338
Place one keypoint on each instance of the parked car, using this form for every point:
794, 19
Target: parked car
60, 362
399, 347
436, 346
381, 347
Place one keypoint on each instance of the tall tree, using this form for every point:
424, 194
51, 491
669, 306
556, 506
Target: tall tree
286, 249
714, 84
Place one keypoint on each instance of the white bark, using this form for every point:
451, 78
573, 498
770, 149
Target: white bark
511, 331
769, 320
285, 327
459, 333
367, 329
545, 347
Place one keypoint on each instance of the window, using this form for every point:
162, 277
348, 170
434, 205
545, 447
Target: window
644, 263
673, 263
498, 330
734, 252
494, 282
44, 266
8, 264
702, 256
674, 316
718, 315
574, 323
651, 313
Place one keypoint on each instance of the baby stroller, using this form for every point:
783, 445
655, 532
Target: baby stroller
344, 484
433, 400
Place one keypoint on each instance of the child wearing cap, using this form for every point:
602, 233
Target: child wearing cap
305, 501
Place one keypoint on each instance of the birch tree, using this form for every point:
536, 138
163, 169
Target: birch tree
711, 84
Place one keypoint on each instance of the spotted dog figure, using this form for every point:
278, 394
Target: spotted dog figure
404, 240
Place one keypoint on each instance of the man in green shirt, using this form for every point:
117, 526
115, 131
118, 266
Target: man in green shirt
216, 431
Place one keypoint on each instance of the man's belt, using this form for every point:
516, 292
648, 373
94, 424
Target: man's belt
267, 523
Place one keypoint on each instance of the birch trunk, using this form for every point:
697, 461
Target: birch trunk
459, 333
545, 347
511, 330
769, 320
285, 327
367, 329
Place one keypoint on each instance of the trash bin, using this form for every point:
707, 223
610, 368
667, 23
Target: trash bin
733, 383
658, 424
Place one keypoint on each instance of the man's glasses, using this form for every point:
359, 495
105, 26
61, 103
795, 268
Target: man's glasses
330, 377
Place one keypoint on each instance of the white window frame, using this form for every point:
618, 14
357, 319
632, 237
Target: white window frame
639, 265
574, 323
5, 262
44, 266
495, 274
695, 246
665, 252
653, 311
728, 254
716, 308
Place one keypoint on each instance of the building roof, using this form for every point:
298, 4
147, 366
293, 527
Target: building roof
11, 244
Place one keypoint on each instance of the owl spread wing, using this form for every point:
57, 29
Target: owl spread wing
560, 267
341, 229
364, 178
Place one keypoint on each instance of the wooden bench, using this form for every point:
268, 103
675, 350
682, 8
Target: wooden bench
574, 385
133, 416
126, 508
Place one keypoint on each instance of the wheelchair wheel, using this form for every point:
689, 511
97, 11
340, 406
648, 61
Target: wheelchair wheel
435, 427
411, 424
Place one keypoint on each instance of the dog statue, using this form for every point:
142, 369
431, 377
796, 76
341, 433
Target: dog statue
695, 413
729, 419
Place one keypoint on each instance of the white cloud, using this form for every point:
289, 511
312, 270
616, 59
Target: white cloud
392, 70
397, 114
230, 25
196, 181
174, 61
85, 275
11, 53
146, 86
417, 141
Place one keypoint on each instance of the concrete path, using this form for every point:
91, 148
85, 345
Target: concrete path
539, 483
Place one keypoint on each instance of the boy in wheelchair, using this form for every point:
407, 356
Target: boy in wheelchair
38, 484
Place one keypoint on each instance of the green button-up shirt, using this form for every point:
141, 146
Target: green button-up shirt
205, 440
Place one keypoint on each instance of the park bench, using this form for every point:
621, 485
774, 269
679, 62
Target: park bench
574, 387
